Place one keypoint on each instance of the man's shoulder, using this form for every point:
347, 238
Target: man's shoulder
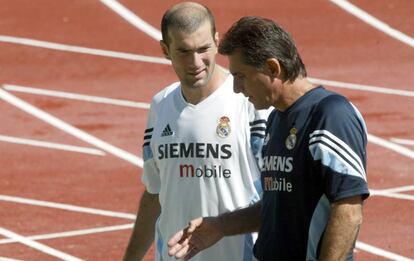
165, 93
334, 103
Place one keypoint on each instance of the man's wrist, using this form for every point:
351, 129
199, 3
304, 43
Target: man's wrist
220, 222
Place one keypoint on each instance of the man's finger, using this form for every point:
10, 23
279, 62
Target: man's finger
185, 236
194, 224
182, 252
173, 250
176, 238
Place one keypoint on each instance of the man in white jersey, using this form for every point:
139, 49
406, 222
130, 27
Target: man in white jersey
199, 145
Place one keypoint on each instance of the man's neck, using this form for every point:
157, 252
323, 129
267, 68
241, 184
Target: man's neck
197, 95
291, 92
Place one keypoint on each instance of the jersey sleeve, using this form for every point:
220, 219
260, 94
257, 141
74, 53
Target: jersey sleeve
257, 127
257, 123
151, 177
337, 145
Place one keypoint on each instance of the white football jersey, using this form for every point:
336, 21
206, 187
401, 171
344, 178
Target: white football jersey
200, 160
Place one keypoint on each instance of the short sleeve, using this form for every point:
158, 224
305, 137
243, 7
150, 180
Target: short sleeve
150, 177
337, 145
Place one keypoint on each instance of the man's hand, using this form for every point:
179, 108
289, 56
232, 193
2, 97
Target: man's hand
200, 234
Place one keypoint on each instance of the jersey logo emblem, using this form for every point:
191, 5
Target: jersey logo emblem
223, 128
291, 139
167, 131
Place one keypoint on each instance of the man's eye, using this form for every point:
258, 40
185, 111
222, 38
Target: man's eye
203, 50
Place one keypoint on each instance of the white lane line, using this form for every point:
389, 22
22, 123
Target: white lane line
314, 80
2, 258
394, 192
51, 145
160, 60
361, 87
76, 96
374, 22
72, 233
67, 207
403, 141
70, 129
38, 246
392, 195
397, 189
380, 252
392, 146
133, 19
83, 50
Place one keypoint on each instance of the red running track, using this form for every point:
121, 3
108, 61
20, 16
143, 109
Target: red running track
335, 46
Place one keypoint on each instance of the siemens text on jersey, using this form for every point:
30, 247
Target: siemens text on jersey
194, 150
277, 163
197, 150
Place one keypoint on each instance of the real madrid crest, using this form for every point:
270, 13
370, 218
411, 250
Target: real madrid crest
223, 128
291, 139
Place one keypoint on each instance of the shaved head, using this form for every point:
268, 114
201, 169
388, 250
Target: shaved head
186, 17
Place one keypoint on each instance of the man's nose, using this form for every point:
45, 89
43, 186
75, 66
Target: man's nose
197, 59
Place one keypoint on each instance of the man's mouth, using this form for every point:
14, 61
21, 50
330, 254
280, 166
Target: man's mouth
197, 73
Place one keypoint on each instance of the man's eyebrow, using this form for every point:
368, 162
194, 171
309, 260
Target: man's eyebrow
182, 49
204, 46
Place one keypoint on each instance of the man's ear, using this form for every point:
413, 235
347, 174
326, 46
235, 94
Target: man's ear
216, 38
164, 48
274, 68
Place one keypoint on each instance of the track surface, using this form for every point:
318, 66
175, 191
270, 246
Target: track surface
94, 193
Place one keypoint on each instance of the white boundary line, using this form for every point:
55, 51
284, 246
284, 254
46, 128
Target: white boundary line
392, 195
133, 18
380, 252
83, 50
51, 145
41, 203
2, 258
374, 22
38, 246
403, 141
160, 60
392, 146
70, 129
361, 87
394, 192
72, 233
397, 189
156, 34
75, 96
379, 141
142, 105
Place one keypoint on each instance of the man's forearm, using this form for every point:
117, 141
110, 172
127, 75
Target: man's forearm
241, 221
342, 229
144, 227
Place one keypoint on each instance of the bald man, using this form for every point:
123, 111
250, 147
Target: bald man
199, 145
